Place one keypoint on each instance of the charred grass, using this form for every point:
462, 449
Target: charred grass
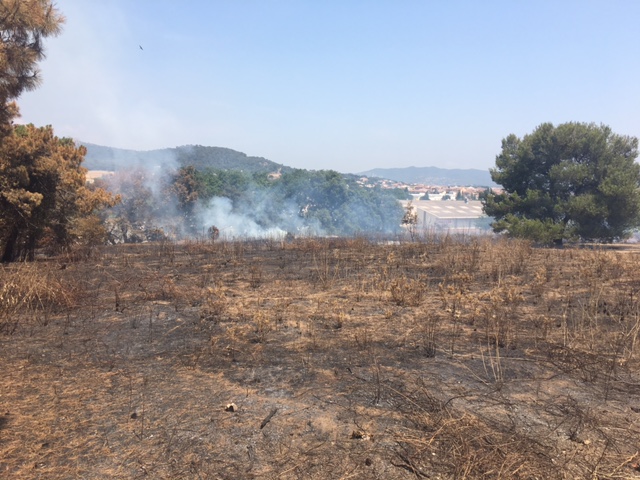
322, 358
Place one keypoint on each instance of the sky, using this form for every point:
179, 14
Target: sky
348, 85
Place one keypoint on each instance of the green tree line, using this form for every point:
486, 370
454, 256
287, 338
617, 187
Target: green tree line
296, 201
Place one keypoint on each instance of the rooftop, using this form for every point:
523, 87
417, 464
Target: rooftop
450, 209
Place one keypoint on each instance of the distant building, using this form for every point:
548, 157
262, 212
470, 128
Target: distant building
451, 216
93, 175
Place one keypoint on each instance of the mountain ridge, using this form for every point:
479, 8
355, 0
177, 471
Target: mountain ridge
100, 157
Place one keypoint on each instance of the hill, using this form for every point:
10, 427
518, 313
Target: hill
108, 158
100, 157
434, 176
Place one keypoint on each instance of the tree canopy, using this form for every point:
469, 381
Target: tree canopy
23, 26
43, 191
571, 181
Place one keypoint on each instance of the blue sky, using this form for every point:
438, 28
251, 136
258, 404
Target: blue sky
348, 85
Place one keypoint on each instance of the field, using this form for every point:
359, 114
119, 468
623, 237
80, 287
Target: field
322, 359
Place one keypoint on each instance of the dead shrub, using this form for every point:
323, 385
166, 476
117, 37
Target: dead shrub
30, 289
406, 292
255, 276
214, 306
327, 268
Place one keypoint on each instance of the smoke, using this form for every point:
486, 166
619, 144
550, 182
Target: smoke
162, 198
117, 159
264, 213
232, 225
150, 209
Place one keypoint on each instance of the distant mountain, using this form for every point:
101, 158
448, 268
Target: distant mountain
108, 158
434, 176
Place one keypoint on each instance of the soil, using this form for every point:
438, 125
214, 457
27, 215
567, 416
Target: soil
322, 358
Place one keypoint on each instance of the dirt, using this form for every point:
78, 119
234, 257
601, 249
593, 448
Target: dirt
343, 358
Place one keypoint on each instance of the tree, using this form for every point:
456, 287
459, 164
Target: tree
576, 180
410, 219
140, 206
187, 188
43, 191
23, 26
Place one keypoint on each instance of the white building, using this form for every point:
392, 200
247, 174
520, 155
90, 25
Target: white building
451, 216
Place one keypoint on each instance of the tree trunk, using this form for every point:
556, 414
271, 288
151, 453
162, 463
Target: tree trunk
9, 254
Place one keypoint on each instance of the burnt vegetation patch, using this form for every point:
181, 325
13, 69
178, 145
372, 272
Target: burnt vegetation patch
322, 358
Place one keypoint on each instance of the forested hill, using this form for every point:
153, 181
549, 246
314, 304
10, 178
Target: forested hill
434, 176
108, 158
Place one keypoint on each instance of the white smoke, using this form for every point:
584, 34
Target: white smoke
233, 225
255, 220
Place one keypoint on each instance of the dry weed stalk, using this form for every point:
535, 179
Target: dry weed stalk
452, 297
501, 316
326, 267
431, 328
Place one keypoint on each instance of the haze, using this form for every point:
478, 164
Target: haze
344, 85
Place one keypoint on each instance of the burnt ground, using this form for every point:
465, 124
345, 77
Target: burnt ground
322, 358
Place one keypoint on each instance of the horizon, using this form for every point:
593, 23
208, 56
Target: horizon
409, 167
348, 86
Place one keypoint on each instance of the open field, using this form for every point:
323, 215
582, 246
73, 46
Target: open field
343, 358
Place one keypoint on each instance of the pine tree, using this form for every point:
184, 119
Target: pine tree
43, 192
23, 26
574, 180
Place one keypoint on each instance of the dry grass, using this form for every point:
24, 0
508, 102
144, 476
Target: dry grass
344, 358
33, 293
